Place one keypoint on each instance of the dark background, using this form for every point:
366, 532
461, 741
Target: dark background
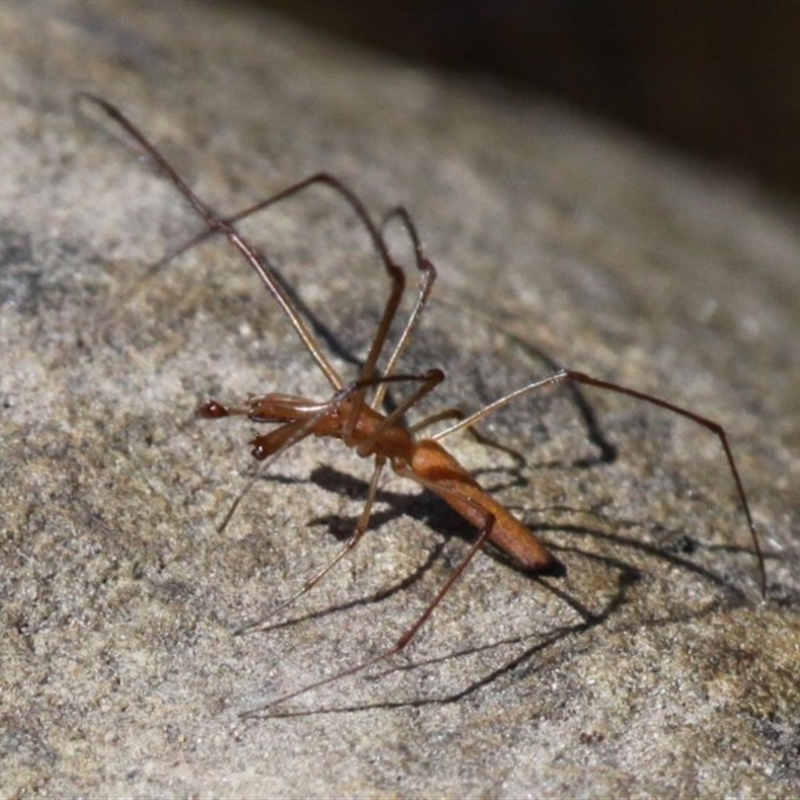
719, 78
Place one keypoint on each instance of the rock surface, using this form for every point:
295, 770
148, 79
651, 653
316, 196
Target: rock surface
652, 668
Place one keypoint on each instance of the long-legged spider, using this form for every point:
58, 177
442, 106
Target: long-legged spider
353, 412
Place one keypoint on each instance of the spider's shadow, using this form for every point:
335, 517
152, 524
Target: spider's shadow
436, 515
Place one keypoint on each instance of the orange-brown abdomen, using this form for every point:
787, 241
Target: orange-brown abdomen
445, 476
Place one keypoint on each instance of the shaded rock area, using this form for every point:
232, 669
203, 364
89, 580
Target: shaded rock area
653, 667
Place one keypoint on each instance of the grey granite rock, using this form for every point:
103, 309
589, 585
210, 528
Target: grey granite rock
652, 668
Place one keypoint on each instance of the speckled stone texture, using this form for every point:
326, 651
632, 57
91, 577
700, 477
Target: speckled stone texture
652, 668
